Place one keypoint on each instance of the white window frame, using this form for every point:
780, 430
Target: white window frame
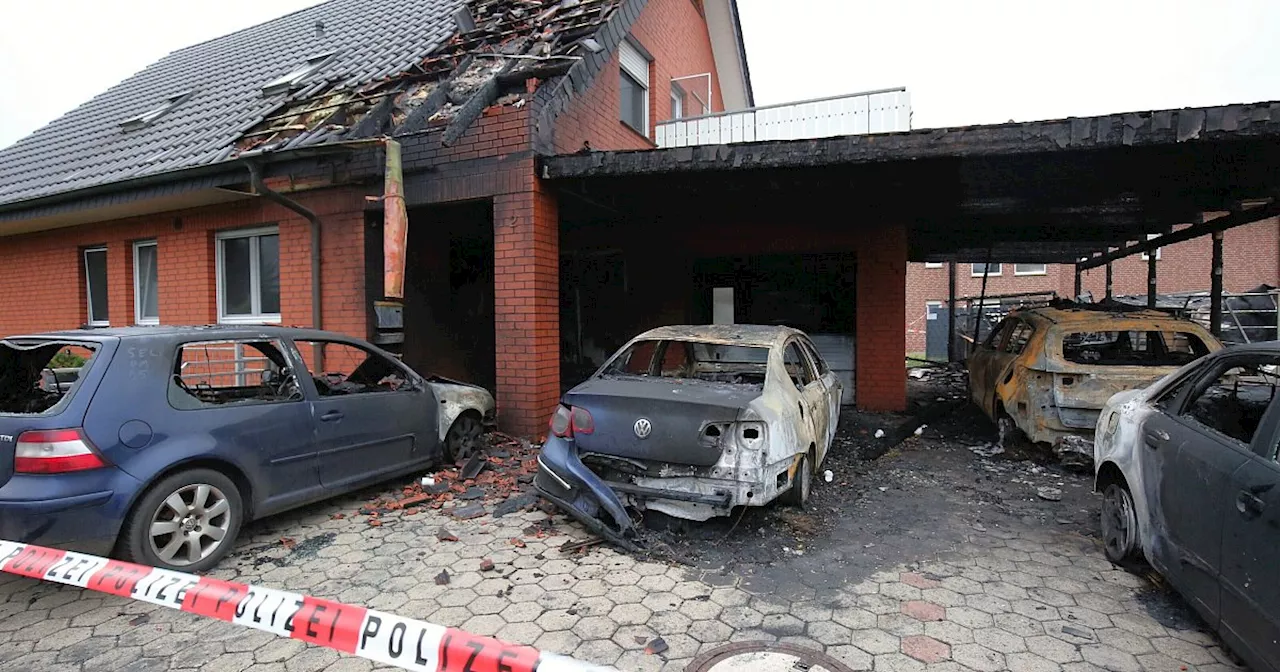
88, 287
677, 101
255, 281
930, 314
137, 284
1044, 269
933, 264
634, 64
973, 272
1146, 256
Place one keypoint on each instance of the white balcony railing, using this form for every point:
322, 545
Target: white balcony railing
885, 111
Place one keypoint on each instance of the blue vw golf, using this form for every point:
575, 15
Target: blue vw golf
159, 443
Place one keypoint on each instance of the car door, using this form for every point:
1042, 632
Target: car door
1191, 449
372, 416
811, 393
242, 398
832, 391
1251, 548
985, 364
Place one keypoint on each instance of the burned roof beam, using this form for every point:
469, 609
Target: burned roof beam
471, 110
1194, 231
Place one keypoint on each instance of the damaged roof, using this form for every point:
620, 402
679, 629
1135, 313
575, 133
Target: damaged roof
753, 335
342, 70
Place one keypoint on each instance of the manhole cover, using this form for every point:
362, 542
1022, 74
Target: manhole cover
765, 657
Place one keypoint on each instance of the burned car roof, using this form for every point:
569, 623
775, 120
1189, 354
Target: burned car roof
756, 335
1068, 317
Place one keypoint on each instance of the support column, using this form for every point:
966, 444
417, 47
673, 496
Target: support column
1215, 287
1108, 294
527, 307
880, 378
951, 311
1151, 277
1079, 288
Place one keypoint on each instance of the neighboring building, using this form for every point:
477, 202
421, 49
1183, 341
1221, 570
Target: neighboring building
1251, 257
140, 207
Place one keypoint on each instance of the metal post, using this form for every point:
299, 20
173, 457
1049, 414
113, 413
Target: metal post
1215, 287
951, 311
1151, 277
1079, 284
982, 298
1109, 276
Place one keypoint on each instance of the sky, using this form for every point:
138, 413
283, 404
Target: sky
963, 62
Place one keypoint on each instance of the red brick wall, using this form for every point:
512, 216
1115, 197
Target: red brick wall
1251, 256
882, 271
42, 284
675, 33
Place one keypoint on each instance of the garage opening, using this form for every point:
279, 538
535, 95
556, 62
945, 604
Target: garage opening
449, 291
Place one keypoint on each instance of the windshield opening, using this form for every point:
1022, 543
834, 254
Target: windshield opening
692, 360
40, 377
1133, 348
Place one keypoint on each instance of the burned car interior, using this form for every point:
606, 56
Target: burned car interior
1233, 402
1133, 348
689, 360
217, 373
37, 376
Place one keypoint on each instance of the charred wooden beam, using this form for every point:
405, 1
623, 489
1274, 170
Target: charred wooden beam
1194, 231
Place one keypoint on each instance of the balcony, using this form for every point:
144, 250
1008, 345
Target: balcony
884, 111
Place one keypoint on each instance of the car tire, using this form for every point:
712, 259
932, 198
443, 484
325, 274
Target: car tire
802, 485
462, 438
1120, 540
185, 522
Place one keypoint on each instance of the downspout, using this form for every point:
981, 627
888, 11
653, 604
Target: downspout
261, 188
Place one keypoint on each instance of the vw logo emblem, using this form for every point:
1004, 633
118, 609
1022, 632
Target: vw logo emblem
643, 427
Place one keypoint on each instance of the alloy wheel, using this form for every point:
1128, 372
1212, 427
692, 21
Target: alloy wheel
190, 524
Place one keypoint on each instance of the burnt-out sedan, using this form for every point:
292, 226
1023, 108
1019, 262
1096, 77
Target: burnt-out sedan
692, 421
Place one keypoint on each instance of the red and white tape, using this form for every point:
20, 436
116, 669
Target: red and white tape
376, 635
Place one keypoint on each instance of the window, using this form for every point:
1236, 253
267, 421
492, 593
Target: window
818, 362
249, 276
146, 283
349, 369
221, 373
39, 377
1146, 256
1018, 338
692, 361
677, 101
1030, 269
95, 275
933, 264
1233, 402
976, 269
931, 309
797, 366
286, 82
145, 119
634, 88
1129, 348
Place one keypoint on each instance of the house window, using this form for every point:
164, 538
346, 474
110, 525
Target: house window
1030, 269
1146, 255
634, 88
95, 275
677, 101
976, 269
933, 264
146, 283
931, 309
249, 275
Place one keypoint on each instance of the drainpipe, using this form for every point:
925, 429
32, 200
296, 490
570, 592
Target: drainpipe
261, 188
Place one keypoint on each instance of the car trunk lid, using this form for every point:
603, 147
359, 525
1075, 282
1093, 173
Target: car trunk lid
677, 411
1080, 395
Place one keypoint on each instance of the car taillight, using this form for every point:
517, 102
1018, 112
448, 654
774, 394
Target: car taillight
55, 451
562, 422
583, 423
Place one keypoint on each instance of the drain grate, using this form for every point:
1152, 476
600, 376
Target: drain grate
765, 657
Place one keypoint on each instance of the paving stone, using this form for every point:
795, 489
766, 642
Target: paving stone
962, 585
988, 603
898, 662
949, 631
943, 597
924, 611
561, 619
1030, 662
999, 640
1139, 624
1035, 610
630, 614
875, 641
1124, 640
918, 580
852, 656
1183, 651
970, 617
978, 657
899, 591
854, 618
563, 642
599, 651
1054, 649
782, 625
828, 633
900, 625
925, 649
1110, 658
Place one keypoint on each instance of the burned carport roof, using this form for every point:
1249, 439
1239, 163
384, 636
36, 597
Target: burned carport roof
1045, 191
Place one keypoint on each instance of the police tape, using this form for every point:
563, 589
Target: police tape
385, 638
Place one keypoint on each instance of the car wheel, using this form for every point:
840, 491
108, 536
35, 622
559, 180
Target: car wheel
462, 438
1119, 524
799, 492
186, 522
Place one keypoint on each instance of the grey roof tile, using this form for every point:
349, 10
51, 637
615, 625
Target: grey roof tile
87, 147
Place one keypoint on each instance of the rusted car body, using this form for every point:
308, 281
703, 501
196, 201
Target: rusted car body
691, 421
1049, 371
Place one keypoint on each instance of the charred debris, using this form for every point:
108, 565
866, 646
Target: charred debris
502, 49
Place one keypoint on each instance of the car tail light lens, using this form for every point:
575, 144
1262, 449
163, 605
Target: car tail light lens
583, 423
56, 451
562, 422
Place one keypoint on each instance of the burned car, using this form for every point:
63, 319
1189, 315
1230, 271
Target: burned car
1047, 372
1190, 478
691, 421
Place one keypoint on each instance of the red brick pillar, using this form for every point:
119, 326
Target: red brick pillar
880, 375
527, 308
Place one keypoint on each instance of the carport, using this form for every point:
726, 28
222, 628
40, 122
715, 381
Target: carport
818, 232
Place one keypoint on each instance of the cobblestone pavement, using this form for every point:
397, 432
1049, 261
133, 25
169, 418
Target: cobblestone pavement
963, 586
